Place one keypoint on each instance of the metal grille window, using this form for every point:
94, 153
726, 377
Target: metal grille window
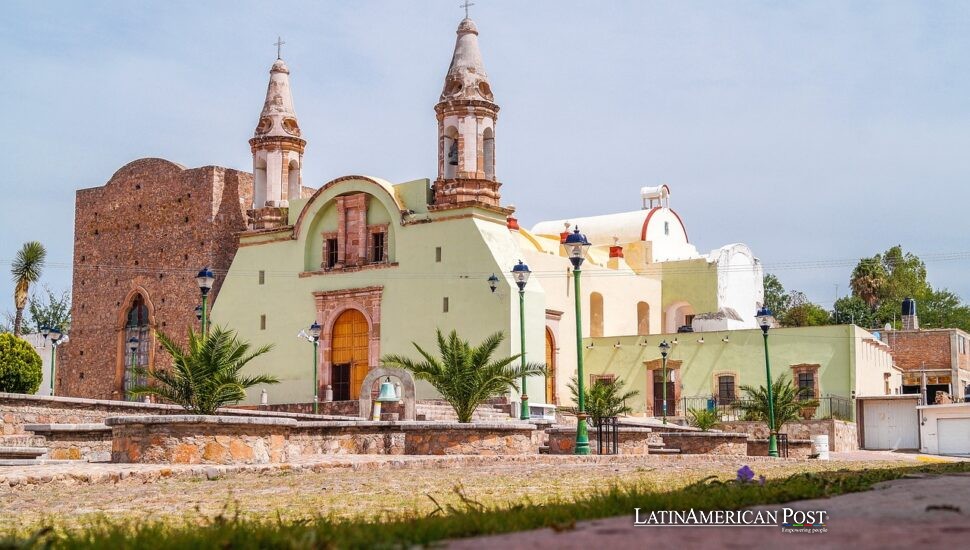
377, 248
331, 253
136, 327
725, 389
806, 380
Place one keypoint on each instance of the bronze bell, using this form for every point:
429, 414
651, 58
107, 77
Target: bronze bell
453, 154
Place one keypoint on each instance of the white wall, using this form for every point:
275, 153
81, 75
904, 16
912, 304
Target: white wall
930, 415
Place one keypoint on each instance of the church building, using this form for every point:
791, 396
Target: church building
378, 265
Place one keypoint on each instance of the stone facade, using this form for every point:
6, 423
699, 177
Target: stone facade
145, 233
632, 441
190, 439
797, 448
843, 435
707, 443
471, 439
338, 438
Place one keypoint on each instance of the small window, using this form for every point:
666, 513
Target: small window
666, 228
437, 254
262, 277
377, 248
262, 322
331, 253
444, 305
725, 389
601, 379
806, 380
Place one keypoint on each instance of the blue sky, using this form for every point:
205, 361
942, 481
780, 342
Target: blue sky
816, 132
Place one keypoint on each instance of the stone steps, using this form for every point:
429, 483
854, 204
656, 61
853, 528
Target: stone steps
25, 453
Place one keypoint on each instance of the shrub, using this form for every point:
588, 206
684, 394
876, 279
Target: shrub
703, 418
21, 369
605, 398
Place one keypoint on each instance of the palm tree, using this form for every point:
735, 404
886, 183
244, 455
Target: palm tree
26, 270
789, 402
466, 376
868, 279
604, 398
205, 376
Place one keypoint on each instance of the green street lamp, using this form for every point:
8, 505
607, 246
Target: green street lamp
664, 350
576, 247
205, 279
133, 348
315, 339
57, 338
520, 273
764, 320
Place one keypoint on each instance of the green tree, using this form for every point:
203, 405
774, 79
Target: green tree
605, 398
852, 309
789, 402
21, 369
776, 299
206, 375
868, 279
466, 376
54, 312
26, 269
802, 312
943, 309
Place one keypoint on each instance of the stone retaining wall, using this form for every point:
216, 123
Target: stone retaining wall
797, 448
842, 434
90, 442
632, 440
707, 443
192, 439
188, 439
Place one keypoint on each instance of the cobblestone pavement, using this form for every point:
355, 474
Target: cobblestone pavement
925, 512
350, 485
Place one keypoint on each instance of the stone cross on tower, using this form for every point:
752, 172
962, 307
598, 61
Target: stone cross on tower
279, 47
466, 4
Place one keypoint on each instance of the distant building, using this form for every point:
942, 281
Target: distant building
835, 364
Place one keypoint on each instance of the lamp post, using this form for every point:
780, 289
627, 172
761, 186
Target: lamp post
198, 313
576, 247
764, 320
205, 278
133, 348
315, 339
55, 335
520, 272
664, 350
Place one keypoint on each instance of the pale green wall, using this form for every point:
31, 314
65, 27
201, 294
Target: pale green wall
692, 281
411, 306
832, 347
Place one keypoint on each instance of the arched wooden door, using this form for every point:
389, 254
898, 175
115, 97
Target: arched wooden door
550, 368
349, 354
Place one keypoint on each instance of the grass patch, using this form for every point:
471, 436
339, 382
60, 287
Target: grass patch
468, 518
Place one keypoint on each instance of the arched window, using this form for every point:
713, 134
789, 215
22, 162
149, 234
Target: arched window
259, 182
449, 150
643, 318
293, 187
488, 152
595, 314
137, 327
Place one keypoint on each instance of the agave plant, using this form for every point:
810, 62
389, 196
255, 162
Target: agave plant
788, 399
26, 269
605, 398
466, 376
205, 375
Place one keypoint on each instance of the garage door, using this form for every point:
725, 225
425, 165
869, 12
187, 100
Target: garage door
953, 435
891, 424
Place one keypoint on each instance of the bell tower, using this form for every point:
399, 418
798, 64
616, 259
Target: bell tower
277, 148
466, 114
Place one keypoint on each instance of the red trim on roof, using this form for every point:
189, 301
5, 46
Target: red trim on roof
643, 232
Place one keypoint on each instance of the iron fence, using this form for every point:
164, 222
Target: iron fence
607, 436
829, 406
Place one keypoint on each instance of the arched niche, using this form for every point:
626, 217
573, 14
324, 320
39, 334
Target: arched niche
407, 390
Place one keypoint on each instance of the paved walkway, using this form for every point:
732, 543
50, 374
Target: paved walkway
920, 512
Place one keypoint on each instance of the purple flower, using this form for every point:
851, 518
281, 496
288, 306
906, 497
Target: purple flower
745, 474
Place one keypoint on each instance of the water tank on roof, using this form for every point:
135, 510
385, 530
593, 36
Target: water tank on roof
909, 306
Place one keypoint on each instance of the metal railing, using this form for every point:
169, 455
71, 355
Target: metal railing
829, 406
607, 436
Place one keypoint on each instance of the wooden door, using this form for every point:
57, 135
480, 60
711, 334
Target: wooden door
550, 368
351, 336
658, 395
